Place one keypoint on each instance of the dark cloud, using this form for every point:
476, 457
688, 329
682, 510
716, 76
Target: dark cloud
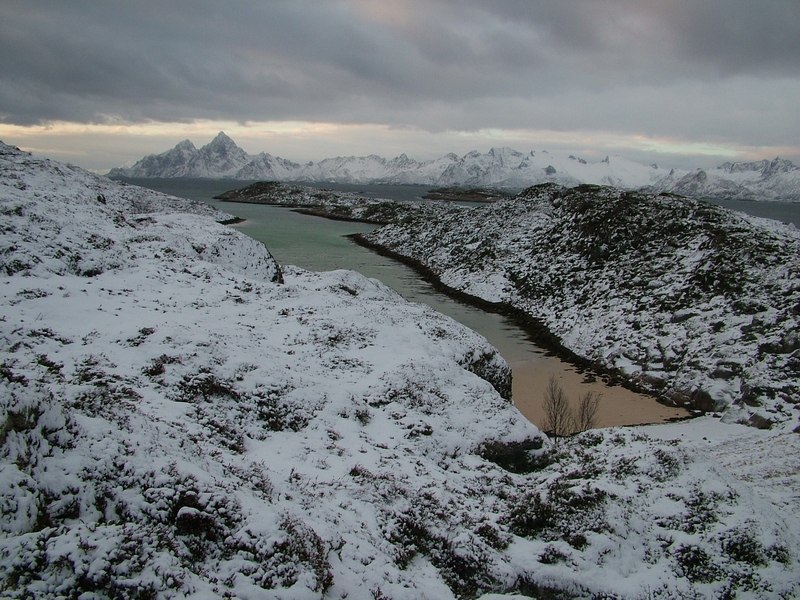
640, 65
704, 37
739, 37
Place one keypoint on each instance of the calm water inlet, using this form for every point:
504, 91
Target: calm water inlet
318, 244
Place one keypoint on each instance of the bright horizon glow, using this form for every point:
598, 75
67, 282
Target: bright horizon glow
100, 147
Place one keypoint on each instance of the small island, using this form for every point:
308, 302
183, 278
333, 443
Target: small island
459, 194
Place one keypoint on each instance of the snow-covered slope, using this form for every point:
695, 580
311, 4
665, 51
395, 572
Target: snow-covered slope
687, 298
220, 158
264, 166
777, 179
172, 163
181, 418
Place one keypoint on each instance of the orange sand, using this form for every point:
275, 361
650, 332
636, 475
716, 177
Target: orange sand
618, 406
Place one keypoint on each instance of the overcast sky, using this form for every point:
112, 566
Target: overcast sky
678, 82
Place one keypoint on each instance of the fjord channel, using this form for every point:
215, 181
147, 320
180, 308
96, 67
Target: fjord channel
319, 244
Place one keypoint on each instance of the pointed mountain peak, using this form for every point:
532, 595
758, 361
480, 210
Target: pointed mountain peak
186, 145
222, 139
403, 161
223, 145
778, 165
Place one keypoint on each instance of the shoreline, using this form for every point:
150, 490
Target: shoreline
619, 406
233, 221
538, 333
622, 399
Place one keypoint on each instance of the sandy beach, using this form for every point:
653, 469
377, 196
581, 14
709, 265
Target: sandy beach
619, 406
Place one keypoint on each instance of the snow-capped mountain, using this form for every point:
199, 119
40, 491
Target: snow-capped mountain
777, 179
172, 163
219, 158
500, 167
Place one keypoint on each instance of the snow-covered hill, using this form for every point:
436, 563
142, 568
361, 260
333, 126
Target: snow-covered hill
500, 167
686, 299
180, 417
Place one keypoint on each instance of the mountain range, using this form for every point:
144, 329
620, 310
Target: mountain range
222, 158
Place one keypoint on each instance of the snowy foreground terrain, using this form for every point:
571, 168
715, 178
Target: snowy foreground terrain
182, 417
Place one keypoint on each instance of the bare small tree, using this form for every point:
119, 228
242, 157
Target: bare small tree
561, 418
586, 413
557, 411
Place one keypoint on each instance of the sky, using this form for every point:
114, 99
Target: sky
683, 83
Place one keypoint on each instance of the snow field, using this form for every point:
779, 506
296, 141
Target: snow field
180, 417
